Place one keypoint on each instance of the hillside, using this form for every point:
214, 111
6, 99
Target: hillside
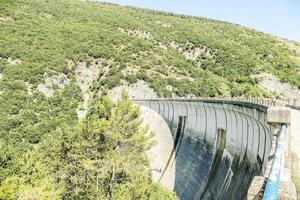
58, 57
193, 55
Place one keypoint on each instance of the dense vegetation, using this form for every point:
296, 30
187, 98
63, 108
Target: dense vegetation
99, 158
44, 34
46, 152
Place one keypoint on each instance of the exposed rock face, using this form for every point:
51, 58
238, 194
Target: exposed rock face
43, 88
14, 61
164, 24
48, 15
4, 19
174, 45
85, 75
273, 84
138, 90
194, 53
191, 51
29, 88
162, 46
59, 81
137, 32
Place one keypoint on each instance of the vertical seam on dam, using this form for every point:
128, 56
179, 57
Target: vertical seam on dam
259, 159
247, 140
177, 141
221, 142
205, 122
179, 134
196, 111
173, 113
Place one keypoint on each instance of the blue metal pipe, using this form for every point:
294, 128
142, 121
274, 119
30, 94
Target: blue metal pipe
271, 190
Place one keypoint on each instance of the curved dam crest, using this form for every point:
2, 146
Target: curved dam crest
211, 150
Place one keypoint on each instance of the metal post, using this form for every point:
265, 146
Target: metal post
271, 190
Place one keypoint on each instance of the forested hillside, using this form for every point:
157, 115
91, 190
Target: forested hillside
58, 57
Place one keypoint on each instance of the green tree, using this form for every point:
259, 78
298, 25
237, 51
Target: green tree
103, 157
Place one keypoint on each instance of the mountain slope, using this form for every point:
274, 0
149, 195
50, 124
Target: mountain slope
218, 58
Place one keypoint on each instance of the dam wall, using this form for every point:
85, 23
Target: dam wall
217, 147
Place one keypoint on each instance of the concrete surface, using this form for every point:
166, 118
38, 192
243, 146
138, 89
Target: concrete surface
279, 115
161, 151
287, 189
209, 165
295, 139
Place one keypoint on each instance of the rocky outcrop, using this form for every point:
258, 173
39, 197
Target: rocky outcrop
272, 84
86, 74
58, 81
138, 90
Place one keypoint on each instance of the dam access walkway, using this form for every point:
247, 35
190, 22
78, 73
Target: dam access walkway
290, 177
295, 145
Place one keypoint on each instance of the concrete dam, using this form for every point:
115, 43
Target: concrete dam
208, 149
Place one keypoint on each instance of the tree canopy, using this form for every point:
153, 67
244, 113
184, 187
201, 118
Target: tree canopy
102, 157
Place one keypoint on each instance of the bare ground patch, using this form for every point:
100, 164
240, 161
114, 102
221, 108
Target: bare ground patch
272, 84
86, 74
48, 15
137, 32
131, 70
58, 81
164, 24
13, 61
138, 90
29, 88
192, 51
4, 19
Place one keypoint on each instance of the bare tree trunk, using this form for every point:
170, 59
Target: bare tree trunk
111, 182
97, 180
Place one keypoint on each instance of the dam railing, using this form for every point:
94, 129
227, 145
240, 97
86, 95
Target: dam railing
272, 187
292, 103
